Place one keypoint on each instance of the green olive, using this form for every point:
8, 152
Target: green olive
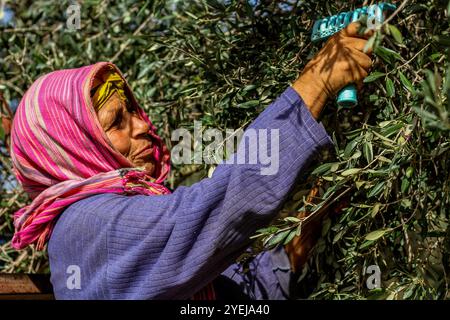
409, 172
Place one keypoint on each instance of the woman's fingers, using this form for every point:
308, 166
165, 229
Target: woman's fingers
359, 77
353, 30
358, 44
357, 66
340, 61
361, 58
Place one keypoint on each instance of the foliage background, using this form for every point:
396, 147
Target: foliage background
223, 62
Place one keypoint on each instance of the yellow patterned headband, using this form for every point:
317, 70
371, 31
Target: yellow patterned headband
112, 83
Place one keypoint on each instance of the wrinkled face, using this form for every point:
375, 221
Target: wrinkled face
127, 132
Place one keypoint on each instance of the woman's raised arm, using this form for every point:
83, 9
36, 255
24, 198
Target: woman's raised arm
170, 246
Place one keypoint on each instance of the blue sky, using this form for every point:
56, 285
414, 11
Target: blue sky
6, 16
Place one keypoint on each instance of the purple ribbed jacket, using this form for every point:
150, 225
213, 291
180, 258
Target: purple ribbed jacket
171, 246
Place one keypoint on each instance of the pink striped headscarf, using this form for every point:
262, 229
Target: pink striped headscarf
61, 154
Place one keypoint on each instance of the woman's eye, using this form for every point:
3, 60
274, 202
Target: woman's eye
132, 111
118, 121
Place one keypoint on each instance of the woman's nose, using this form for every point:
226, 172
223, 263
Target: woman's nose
139, 126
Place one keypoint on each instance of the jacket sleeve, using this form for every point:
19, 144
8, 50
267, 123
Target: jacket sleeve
267, 276
171, 246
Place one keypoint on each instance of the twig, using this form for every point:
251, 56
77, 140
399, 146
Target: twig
395, 13
409, 61
316, 214
123, 46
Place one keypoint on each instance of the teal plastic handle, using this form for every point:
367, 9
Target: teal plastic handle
347, 97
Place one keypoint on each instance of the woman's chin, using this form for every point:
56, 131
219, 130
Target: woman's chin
149, 167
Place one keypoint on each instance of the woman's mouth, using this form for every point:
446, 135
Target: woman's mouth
146, 152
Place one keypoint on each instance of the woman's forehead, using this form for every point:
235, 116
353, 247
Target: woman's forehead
111, 108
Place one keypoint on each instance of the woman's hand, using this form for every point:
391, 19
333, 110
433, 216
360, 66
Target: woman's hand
300, 248
341, 61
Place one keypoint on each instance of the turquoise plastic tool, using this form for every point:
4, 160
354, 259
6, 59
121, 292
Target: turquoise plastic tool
324, 28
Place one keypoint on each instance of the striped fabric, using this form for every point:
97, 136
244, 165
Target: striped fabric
61, 154
207, 293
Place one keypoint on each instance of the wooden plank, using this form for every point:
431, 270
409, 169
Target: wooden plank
37, 296
25, 284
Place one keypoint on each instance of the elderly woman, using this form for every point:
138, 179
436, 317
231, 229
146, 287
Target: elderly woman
94, 167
